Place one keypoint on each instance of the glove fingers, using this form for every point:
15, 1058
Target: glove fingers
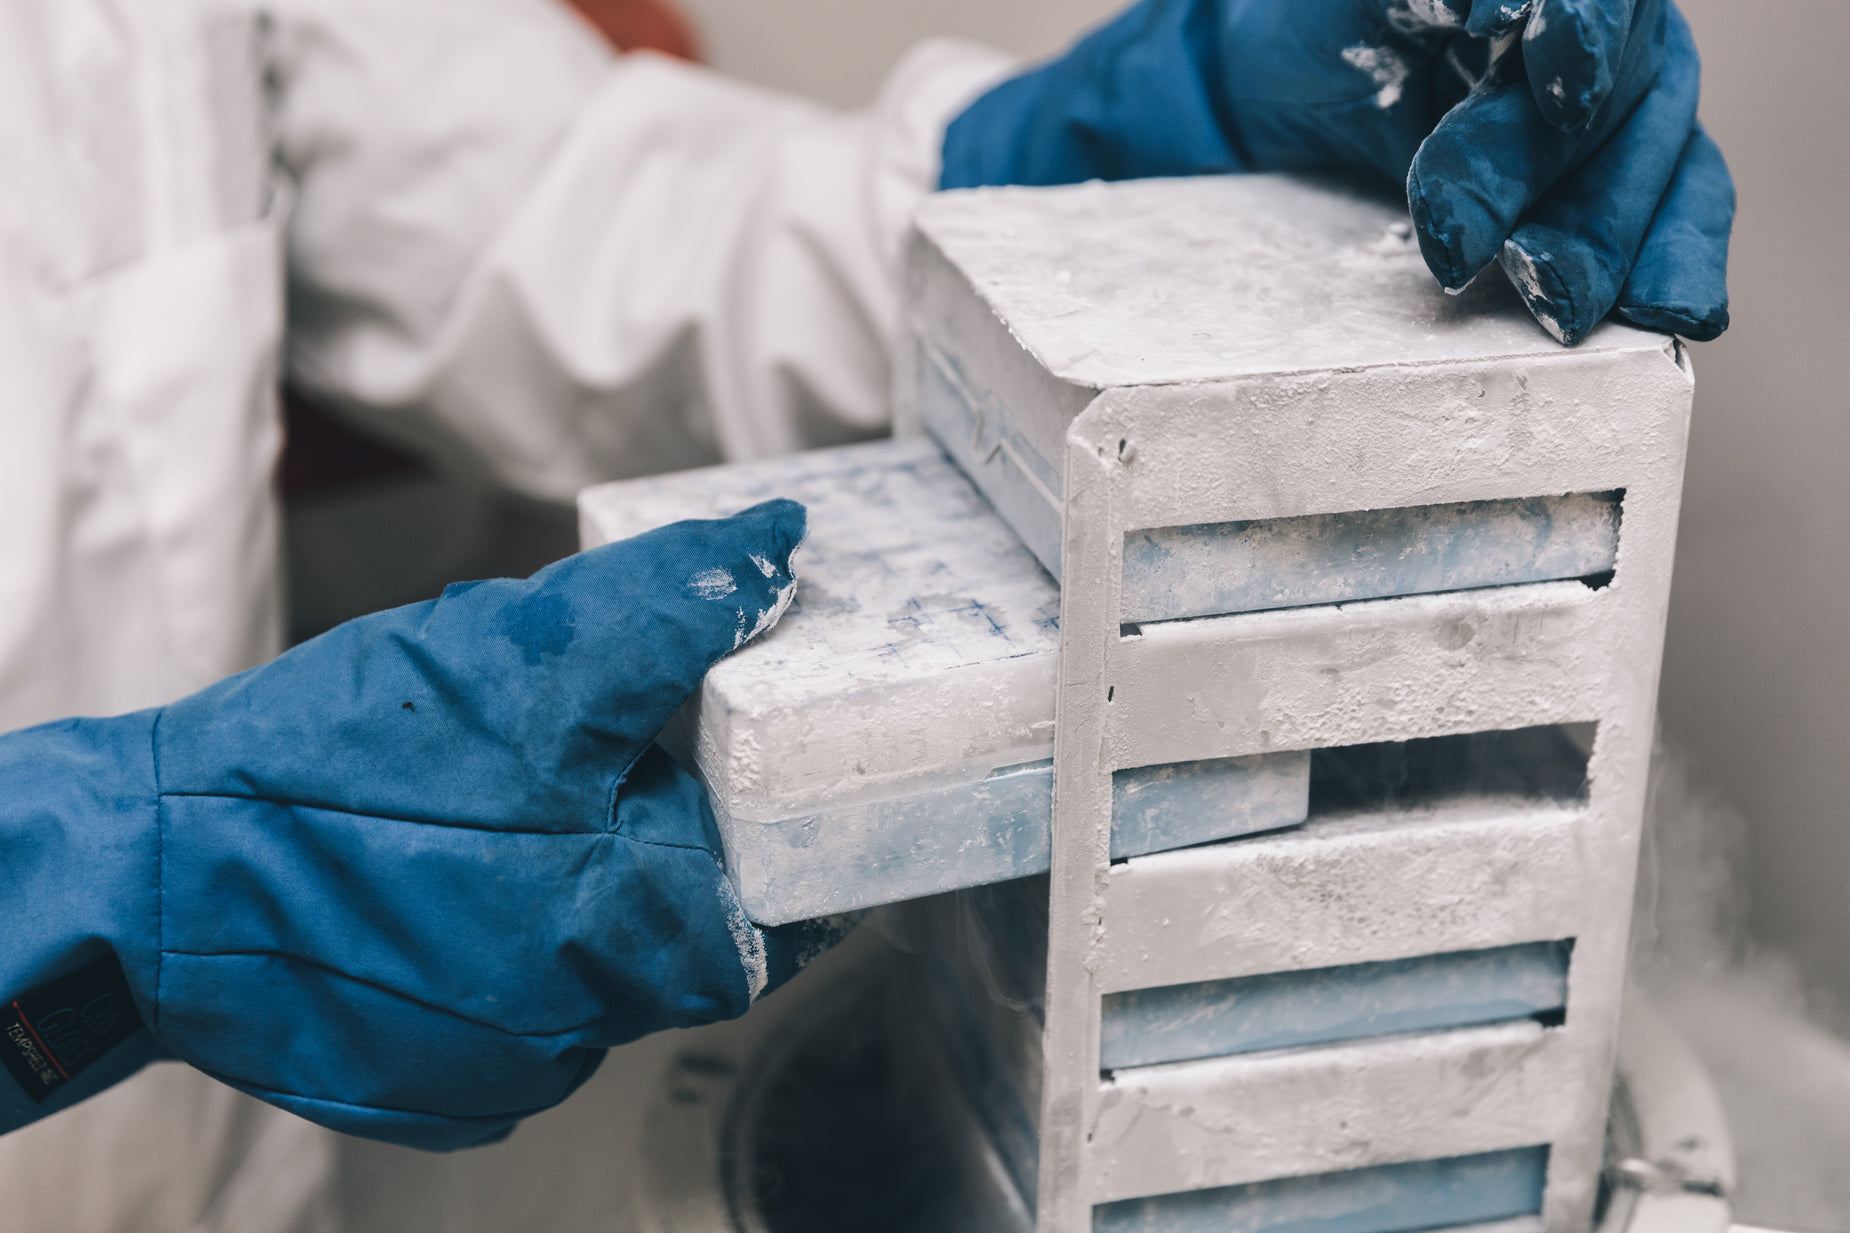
1679, 284
1573, 49
673, 946
508, 704
1572, 252
709, 959
1494, 154
1476, 173
606, 645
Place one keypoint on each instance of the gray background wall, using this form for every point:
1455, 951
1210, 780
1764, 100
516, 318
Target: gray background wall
1757, 675
1757, 671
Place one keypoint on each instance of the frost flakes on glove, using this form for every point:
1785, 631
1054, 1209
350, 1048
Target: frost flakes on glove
1384, 67
1520, 267
712, 584
1424, 15
766, 619
719, 584
750, 941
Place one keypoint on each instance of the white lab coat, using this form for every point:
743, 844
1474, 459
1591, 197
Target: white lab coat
492, 239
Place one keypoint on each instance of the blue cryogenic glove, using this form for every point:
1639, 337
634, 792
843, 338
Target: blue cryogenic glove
1558, 136
411, 879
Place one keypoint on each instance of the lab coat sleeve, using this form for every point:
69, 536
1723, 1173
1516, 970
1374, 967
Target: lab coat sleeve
563, 266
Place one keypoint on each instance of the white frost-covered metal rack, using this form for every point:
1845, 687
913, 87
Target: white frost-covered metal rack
1374, 571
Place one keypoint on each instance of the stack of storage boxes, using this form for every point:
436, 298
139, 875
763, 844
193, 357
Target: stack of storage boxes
1332, 736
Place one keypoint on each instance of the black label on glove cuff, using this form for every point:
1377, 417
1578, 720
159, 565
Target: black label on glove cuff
49, 1034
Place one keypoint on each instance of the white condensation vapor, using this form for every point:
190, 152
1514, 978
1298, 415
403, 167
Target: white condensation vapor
1538, 21
1776, 1048
1384, 67
713, 583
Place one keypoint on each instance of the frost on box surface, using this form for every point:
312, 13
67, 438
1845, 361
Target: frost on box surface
1159, 282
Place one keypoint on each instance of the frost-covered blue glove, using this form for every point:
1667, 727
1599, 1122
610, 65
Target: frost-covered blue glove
1560, 136
411, 879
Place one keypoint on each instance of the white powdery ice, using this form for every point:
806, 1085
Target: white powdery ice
713, 583
749, 940
1521, 269
768, 617
1384, 67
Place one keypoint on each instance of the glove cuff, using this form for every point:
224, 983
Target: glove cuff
80, 873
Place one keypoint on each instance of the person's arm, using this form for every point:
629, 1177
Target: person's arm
412, 878
566, 266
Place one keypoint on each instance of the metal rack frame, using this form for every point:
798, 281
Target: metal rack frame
1390, 669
